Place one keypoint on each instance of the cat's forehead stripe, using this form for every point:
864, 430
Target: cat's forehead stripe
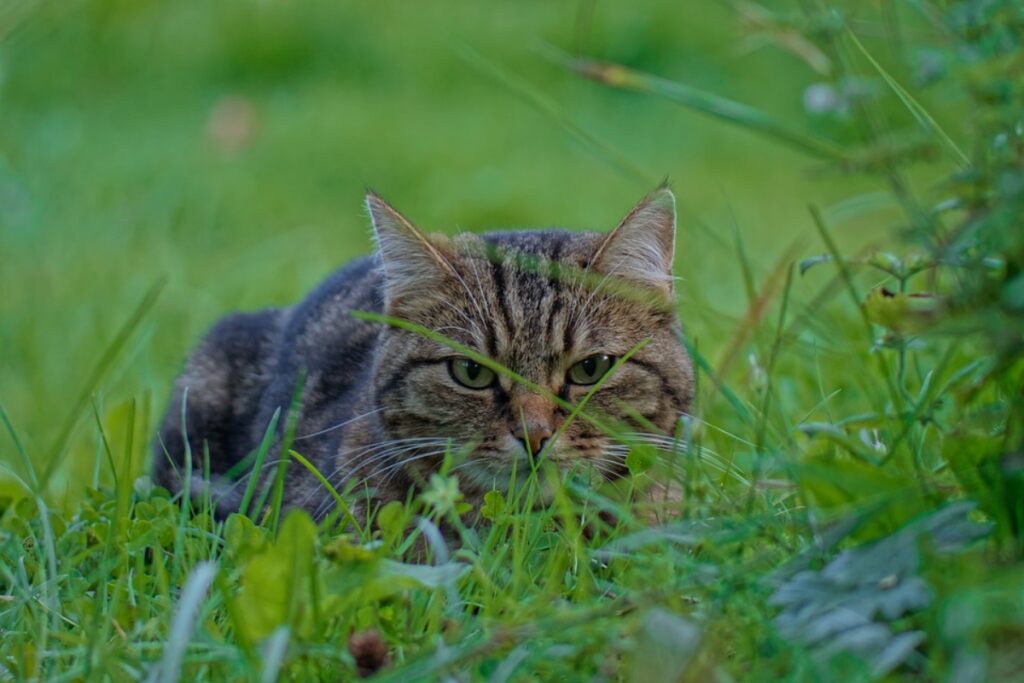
500, 293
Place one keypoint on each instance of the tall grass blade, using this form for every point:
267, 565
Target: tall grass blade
542, 102
333, 492
756, 312
919, 113
276, 489
111, 354
50, 583
26, 461
851, 288
275, 649
105, 443
184, 623
257, 466
745, 116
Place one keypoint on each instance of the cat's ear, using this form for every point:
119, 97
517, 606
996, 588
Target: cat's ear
413, 263
641, 248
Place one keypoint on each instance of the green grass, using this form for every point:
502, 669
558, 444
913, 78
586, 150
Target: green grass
851, 286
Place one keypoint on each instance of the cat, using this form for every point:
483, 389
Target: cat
378, 405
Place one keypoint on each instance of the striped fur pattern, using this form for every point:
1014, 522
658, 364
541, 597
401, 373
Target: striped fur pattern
380, 406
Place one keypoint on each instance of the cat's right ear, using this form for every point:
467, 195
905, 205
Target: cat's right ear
413, 263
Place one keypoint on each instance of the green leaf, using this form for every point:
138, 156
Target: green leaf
494, 506
838, 483
640, 459
343, 551
812, 261
665, 645
443, 494
358, 584
423, 576
277, 582
242, 538
905, 313
391, 519
840, 437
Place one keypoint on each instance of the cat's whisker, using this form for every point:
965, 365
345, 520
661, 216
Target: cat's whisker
372, 450
605, 461
390, 453
462, 465
340, 424
604, 470
378, 452
383, 467
416, 444
674, 446
389, 472
235, 483
391, 469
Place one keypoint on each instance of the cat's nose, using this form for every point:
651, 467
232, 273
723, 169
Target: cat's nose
533, 438
534, 421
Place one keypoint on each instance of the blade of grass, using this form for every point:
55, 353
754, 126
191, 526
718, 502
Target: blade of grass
757, 310
703, 365
851, 287
50, 582
547, 106
277, 488
919, 113
769, 390
257, 466
594, 389
26, 462
186, 616
105, 443
179, 559
730, 111
124, 492
342, 505
275, 649
111, 354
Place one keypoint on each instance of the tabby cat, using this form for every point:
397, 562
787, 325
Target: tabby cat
505, 333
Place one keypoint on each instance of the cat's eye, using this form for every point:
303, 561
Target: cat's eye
591, 369
470, 374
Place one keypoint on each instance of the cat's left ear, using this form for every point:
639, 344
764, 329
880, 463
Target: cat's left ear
413, 262
641, 248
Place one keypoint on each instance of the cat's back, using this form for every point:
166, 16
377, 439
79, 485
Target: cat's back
249, 364
322, 326
325, 347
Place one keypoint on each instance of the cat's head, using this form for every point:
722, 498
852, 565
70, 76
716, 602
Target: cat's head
571, 316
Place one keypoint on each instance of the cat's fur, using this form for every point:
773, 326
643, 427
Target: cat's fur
379, 404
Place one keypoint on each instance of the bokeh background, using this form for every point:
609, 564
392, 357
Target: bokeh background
223, 148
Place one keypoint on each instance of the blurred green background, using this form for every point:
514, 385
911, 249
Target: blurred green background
226, 146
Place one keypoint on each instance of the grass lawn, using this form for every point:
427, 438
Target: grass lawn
850, 180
